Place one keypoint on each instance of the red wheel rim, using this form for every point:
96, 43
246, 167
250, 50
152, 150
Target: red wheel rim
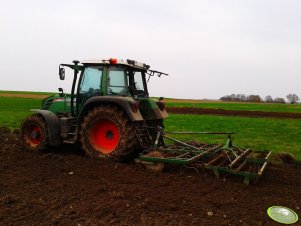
104, 136
34, 135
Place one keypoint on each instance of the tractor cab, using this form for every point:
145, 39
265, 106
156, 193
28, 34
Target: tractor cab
113, 77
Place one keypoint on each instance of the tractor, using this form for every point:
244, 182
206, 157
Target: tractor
109, 111
110, 114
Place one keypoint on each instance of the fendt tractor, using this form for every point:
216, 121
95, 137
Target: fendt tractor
110, 114
108, 111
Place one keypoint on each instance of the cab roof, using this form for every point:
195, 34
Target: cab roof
114, 61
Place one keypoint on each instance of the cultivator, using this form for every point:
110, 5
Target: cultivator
221, 159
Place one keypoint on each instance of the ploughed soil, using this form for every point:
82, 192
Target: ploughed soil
207, 111
60, 186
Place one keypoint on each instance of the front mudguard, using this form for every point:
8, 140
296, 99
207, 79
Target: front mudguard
53, 125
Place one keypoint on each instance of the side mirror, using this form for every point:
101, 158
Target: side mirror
61, 92
62, 73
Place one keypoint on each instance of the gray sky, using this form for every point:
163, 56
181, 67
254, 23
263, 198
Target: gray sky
210, 48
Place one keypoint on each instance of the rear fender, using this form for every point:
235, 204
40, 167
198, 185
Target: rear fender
160, 114
152, 110
159, 109
122, 102
53, 125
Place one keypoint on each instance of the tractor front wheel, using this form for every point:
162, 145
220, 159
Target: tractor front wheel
106, 132
34, 133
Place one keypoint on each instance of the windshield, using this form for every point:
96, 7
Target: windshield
126, 82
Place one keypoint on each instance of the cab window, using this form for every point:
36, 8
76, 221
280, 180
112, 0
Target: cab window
91, 82
117, 81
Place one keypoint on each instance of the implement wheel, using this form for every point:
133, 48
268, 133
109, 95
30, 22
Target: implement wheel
155, 166
107, 132
34, 133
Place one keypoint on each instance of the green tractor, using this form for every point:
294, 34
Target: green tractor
108, 112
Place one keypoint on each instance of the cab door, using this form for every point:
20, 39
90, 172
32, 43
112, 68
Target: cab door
90, 85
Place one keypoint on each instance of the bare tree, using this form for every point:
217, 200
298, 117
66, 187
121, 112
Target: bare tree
268, 99
292, 98
279, 100
254, 98
241, 98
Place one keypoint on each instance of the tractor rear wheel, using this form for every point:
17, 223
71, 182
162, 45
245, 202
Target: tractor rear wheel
34, 133
106, 132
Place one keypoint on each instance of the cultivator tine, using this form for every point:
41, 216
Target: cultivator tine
247, 180
241, 165
216, 172
213, 161
183, 155
263, 168
182, 143
239, 158
268, 156
197, 157
228, 156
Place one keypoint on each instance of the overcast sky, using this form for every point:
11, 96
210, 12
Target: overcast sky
210, 48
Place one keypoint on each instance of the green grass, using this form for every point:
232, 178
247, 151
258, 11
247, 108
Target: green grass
293, 108
13, 110
240, 106
277, 135
25, 92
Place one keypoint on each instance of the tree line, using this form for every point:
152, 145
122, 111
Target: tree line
291, 98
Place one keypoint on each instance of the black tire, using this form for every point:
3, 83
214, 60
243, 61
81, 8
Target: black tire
34, 133
106, 132
153, 131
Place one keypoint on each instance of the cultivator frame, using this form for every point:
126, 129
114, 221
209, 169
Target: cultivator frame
221, 159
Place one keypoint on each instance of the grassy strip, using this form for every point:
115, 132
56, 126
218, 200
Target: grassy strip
278, 135
25, 92
13, 110
206, 104
240, 106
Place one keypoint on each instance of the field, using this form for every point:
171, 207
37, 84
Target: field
292, 108
14, 109
278, 135
24, 93
61, 186
268, 133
